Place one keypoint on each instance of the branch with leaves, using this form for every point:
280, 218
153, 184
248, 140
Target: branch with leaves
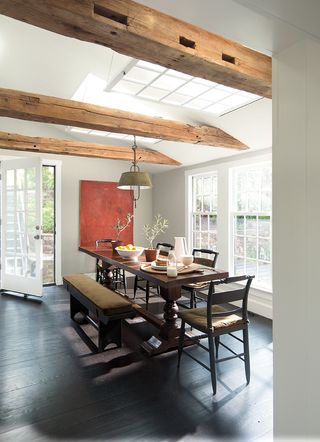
120, 227
151, 231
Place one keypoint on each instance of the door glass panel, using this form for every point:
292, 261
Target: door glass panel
20, 200
10, 264
20, 179
10, 179
31, 178
10, 201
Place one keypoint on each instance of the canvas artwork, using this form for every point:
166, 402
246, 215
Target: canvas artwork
101, 203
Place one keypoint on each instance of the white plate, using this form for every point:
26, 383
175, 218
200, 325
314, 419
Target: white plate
155, 267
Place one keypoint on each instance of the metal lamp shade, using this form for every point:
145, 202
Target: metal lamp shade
129, 180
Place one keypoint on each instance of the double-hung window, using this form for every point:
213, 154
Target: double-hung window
251, 222
204, 211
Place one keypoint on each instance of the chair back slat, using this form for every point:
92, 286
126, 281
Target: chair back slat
209, 262
164, 248
229, 296
203, 261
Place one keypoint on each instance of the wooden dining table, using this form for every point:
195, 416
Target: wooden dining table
170, 291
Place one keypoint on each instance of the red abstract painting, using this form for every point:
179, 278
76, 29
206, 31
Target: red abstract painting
101, 203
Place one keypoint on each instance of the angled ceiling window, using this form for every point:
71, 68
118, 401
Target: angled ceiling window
153, 82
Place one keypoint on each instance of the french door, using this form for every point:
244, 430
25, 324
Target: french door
21, 235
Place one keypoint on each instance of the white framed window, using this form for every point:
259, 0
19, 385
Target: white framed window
251, 209
204, 210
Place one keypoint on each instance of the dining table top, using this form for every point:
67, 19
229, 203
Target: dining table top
114, 259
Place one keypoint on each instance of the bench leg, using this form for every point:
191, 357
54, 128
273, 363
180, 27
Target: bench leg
109, 333
76, 307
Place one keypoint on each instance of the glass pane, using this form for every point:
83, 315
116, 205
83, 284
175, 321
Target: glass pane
204, 222
10, 201
196, 240
239, 225
21, 221
31, 201
264, 249
239, 268
266, 202
20, 179
214, 203
253, 182
264, 275
10, 242
10, 261
206, 203
239, 245
10, 179
266, 179
251, 267
204, 240
253, 201
212, 222
251, 245
19, 267
21, 248
31, 178
212, 240
20, 200
241, 181
31, 221
264, 226
251, 225
199, 204
31, 243
207, 185
241, 202
198, 185
31, 266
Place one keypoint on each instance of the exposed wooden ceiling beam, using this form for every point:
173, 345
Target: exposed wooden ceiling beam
45, 109
144, 33
78, 148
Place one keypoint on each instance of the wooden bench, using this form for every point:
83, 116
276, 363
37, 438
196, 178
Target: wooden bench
102, 307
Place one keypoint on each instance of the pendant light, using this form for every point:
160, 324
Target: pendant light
135, 180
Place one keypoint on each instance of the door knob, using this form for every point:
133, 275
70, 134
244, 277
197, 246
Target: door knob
37, 237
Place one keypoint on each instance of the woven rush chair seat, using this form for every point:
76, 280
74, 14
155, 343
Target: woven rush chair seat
107, 300
197, 318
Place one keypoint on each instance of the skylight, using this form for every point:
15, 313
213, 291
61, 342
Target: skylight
153, 82
101, 133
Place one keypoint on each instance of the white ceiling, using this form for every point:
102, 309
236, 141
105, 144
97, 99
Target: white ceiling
35, 60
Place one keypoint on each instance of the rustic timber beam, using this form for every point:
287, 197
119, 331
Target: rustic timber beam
144, 33
45, 109
78, 148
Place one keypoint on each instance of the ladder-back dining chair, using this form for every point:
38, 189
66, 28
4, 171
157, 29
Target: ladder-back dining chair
164, 249
102, 270
218, 318
209, 261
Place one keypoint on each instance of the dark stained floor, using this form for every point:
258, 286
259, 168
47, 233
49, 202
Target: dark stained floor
54, 388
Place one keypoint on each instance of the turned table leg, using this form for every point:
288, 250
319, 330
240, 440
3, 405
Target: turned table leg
169, 328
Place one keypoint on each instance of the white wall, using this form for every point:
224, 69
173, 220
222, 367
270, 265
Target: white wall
170, 199
296, 245
75, 169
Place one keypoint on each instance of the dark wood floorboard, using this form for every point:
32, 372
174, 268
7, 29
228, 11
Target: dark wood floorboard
54, 388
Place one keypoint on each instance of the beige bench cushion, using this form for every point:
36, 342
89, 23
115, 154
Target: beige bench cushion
110, 302
197, 317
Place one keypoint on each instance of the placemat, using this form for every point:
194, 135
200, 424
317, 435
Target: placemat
181, 269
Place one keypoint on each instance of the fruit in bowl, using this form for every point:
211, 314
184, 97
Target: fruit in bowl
130, 252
